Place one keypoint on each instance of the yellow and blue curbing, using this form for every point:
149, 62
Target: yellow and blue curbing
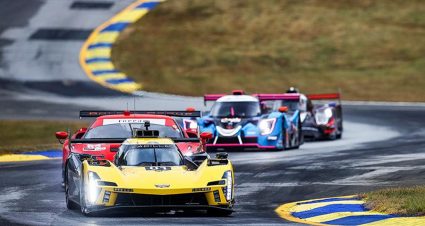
345, 210
95, 55
32, 156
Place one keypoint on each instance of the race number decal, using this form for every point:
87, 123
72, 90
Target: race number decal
134, 120
158, 168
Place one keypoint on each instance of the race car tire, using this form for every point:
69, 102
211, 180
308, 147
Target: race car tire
300, 130
285, 143
219, 212
332, 137
299, 140
71, 205
63, 177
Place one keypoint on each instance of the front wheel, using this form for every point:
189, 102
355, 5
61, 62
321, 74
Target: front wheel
299, 136
71, 205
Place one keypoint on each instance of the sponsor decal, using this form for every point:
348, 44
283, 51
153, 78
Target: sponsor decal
94, 147
133, 120
201, 189
230, 120
123, 189
158, 168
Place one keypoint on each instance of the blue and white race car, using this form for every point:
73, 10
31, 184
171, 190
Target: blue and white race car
243, 122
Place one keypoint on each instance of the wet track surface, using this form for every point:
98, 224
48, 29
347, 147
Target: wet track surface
40, 79
382, 146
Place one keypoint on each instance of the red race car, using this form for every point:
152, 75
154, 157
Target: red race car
105, 135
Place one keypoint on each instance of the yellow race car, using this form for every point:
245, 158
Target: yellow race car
149, 172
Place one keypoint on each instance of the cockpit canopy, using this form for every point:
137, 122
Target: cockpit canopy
243, 109
149, 155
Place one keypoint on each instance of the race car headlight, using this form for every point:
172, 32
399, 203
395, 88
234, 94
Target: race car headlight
322, 117
228, 190
328, 112
92, 190
266, 126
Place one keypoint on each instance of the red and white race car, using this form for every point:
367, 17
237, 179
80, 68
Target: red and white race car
110, 128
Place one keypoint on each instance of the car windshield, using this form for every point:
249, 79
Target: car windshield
150, 155
235, 109
292, 105
124, 130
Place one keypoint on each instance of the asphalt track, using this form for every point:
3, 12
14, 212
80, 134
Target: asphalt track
382, 146
40, 78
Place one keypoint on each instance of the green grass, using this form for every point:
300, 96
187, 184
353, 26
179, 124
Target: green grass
372, 50
21, 136
402, 201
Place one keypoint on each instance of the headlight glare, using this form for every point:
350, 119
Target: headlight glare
322, 117
228, 191
328, 112
92, 190
266, 126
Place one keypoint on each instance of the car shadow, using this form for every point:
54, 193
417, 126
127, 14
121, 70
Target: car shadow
148, 213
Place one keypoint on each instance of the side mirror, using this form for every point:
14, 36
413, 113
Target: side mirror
61, 135
283, 109
221, 155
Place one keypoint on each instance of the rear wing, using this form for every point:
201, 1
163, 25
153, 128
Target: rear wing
325, 96
212, 97
120, 140
98, 140
95, 113
277, 96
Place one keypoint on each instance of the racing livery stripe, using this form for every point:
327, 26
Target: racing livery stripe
95, 55
346, 210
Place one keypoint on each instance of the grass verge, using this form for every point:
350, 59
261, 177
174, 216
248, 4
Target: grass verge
372, 50
22, 136
401, 201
